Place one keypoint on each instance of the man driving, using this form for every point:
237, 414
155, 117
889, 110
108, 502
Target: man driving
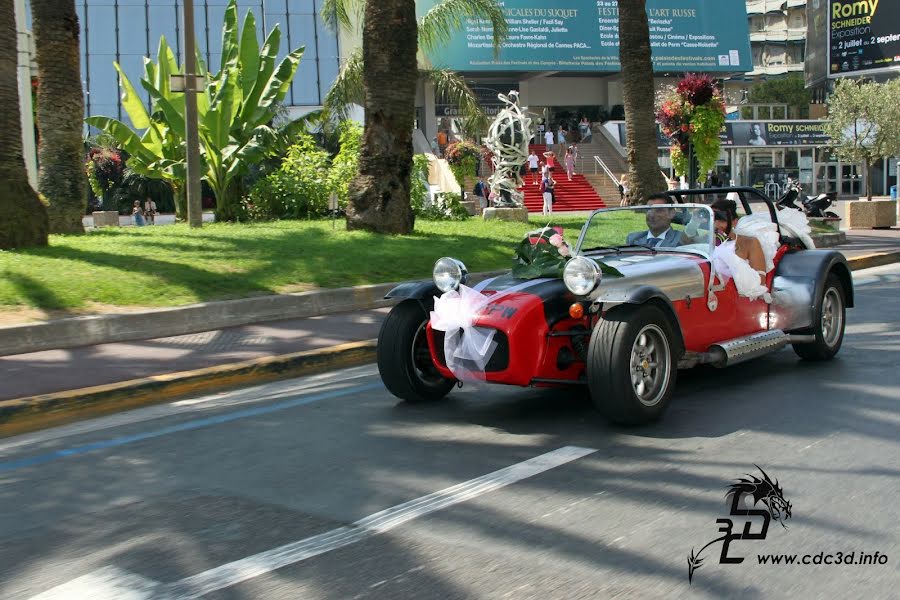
659, 232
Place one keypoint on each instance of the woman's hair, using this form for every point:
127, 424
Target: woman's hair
727, 206
721, 215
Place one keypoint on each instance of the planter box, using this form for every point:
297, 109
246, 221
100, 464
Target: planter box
506, 214
471, 207
105, 218
863, 214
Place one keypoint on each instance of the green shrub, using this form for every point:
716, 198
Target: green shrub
418, 189
446, 207
298, 189
346, 163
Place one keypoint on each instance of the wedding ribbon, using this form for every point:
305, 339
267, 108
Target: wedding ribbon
455, 313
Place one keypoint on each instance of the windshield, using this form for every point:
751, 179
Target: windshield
662, 227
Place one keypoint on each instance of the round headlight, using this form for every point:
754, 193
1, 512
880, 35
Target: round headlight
581, 275
449, 273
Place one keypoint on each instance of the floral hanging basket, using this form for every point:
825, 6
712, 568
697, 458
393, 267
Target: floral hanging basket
692, 117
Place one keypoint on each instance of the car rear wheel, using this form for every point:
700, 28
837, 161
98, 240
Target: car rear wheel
632, 365
404, 360
829, 323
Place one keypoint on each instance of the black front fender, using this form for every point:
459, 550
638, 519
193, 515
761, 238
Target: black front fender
645, 294
422, 291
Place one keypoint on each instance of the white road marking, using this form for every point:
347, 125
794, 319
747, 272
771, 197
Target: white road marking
111, 583
261, 393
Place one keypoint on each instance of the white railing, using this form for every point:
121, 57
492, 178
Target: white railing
599, 162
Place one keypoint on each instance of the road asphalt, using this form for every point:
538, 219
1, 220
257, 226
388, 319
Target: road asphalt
280, 491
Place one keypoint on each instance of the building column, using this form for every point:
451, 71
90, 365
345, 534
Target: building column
26, 109
431, 122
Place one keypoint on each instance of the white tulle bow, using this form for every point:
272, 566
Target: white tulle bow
468, 348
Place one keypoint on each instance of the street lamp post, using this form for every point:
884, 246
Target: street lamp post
194, 204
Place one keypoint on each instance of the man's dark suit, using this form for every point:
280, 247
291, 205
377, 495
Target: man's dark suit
639, 238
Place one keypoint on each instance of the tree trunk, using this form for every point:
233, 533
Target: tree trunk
60, 105
379, 194
180, 197
638, 94
868, 179
23, 219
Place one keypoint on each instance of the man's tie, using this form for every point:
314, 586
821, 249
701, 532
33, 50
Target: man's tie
653, 241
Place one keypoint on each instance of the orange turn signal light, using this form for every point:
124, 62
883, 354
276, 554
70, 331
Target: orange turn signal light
576, 311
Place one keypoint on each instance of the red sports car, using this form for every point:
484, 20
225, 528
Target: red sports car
634, 304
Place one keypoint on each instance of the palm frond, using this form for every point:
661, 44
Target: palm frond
341, 14
347, 88
446, 19
453, 88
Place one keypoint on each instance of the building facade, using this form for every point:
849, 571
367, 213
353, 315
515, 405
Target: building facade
777, 36
125, 31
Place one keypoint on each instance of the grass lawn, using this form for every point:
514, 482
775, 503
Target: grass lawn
172, 265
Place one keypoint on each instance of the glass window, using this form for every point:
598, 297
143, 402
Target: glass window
101, 26
164, 20
305, 87
302, 7
132, 30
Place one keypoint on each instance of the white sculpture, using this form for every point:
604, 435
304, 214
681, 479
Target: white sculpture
508, 139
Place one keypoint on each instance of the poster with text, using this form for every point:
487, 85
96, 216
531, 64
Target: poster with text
863, 36
583, 35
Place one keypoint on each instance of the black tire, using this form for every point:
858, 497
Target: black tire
404, 362
615, 345
828, 323
832, 215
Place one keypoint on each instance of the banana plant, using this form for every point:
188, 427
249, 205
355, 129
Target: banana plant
235, 110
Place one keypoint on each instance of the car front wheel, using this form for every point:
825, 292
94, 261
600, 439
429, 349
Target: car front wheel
828, 323
404, 360
632, 364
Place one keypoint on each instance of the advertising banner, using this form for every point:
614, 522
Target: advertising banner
583, 35
863, 36
750, 134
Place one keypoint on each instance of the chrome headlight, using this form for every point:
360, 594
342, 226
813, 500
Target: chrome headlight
581, 275
449, 273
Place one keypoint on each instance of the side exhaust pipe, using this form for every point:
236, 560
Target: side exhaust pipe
743, 349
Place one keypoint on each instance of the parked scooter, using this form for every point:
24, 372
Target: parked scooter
812, 206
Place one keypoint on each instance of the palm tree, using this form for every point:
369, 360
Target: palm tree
24, 218
60, 106
638, 95
384, 76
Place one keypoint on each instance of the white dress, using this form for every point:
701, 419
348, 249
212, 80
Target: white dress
729, 265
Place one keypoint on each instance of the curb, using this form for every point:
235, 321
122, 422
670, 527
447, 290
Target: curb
829, 240
867, 261
94, 330
22, 415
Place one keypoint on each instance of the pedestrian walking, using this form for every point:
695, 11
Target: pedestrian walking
547, 185
533, 166
561, 139
570, 163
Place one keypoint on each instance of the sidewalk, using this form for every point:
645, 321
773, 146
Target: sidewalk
161, 219
62, 370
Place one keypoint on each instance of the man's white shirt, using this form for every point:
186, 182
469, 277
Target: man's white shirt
658, 238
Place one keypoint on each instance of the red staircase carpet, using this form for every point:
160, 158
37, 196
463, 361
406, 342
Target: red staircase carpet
573, 195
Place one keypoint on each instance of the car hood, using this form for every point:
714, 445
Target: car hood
675, 275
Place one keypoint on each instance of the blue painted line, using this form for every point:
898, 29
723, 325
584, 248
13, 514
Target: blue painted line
40, 459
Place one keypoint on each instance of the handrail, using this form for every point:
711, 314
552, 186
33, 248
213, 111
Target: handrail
599, 161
